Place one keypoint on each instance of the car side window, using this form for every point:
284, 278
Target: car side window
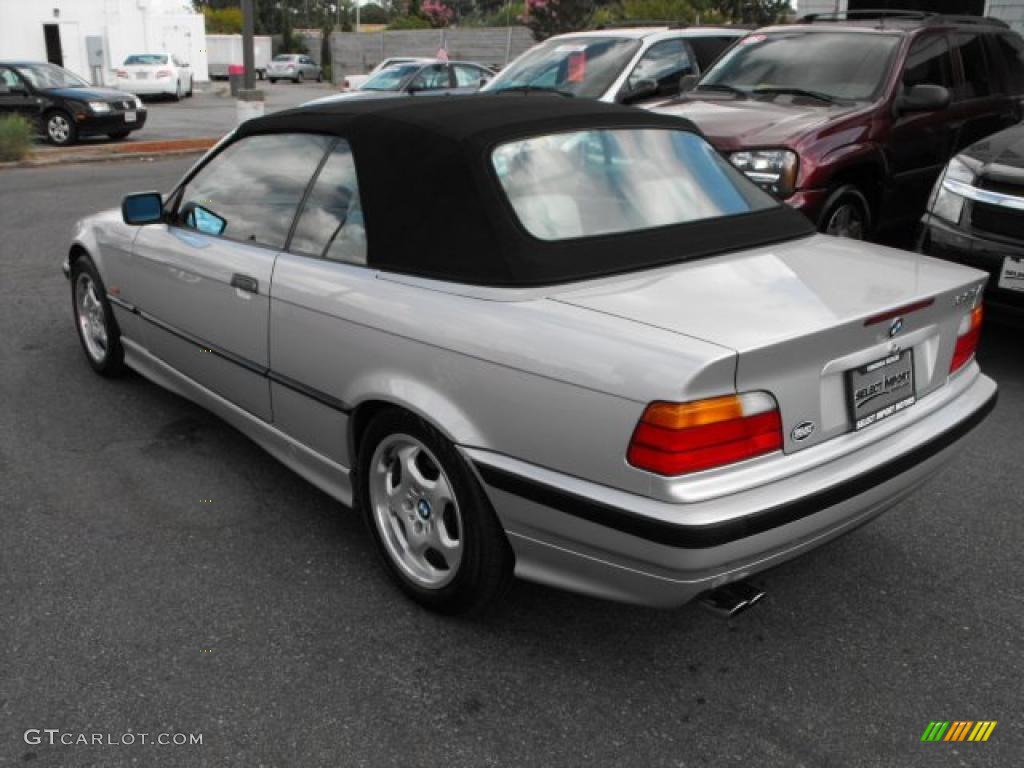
432, 78
977, 81
707, 49
466, 76
664, 63
330, 225
251, 190
929, 62
1011, 49
8, 78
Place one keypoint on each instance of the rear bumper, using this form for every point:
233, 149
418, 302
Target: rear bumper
581, 536
147, 87
964, 246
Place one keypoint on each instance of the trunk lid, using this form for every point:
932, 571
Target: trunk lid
802, 316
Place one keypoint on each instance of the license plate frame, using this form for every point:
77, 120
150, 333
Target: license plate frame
1011, 275
131, 116
881, 388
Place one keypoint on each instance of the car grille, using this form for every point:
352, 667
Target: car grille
997, 219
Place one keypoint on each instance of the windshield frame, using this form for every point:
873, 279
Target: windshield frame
28, 73
630, 47
895, 37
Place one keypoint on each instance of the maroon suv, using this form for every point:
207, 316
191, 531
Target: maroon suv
851, 119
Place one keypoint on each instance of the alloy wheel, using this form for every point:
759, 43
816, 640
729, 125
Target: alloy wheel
415, 511
92, 320
58, 128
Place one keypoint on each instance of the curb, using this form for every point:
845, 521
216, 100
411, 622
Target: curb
109, 152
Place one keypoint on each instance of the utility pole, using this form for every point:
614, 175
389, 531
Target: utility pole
250, 100
248, 56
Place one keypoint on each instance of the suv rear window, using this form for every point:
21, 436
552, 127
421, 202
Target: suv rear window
977, 80
1011, 47
587, 183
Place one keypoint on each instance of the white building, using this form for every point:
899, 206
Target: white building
1010, 11
91, 37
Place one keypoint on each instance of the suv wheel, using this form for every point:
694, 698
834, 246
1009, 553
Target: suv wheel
846, 214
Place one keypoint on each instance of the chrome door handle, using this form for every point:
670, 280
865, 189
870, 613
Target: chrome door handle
245, 283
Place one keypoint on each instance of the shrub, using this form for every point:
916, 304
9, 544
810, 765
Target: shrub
15, 137
409, 22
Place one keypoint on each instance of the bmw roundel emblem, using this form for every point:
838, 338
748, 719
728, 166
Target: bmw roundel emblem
423, 508
895, 326
802, 431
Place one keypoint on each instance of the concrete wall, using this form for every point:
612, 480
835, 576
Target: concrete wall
355, 54
125, 27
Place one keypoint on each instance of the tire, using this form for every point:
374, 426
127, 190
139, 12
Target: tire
272, 80
191, 84
119, 135
415, 491
320, 76
94, 320
176, 96
299, 77
60, 128
846, 213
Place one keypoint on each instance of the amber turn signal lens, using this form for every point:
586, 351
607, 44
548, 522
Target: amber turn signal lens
678, 438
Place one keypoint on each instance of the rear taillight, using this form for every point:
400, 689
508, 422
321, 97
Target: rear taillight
163, 73
677, 438
967, 338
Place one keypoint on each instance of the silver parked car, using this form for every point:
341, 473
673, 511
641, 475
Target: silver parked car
626, 371
295, 67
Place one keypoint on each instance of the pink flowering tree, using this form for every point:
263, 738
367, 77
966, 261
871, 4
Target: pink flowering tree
437, 12
545, 18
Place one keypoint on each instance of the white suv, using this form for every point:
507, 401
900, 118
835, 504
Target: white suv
627, 65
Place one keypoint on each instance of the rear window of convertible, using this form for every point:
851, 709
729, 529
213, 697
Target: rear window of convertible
599, 182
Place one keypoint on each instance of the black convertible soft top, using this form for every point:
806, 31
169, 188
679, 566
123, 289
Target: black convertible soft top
434, 207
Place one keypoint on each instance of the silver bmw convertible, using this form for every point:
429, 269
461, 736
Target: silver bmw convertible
535, 336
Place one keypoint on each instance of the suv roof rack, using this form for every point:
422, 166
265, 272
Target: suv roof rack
670, 23
893, 14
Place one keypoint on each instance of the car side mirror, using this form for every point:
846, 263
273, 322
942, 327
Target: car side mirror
924, 98
143, 208
643, 89
688, 82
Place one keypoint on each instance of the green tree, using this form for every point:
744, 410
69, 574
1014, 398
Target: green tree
545, 18
223, 21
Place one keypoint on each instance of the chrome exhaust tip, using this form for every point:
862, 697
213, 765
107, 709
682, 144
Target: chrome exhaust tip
731, 599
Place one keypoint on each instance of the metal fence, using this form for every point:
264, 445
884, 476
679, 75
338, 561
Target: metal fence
353, 53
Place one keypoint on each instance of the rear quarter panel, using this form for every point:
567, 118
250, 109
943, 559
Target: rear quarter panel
541, 381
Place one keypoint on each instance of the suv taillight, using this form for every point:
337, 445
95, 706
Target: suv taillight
678, 438
967, 338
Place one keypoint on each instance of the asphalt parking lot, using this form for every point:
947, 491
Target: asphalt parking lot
210, 112
161, 574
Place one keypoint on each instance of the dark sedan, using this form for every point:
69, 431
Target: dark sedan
64, 106
976, 216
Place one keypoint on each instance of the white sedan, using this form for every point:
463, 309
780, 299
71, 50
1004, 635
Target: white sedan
355, 82
153, 74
